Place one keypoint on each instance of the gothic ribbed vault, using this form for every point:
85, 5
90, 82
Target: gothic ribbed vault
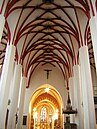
47, 32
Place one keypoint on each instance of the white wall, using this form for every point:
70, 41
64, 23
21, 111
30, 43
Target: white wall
39, 78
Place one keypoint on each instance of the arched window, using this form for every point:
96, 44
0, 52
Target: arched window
43, 114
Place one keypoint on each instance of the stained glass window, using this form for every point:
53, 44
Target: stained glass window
43, 114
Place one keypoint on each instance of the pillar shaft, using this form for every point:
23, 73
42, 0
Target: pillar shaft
14, 99
23, 85
5, 82
2, 23
71, 90
78, 97
87, 89
93, 28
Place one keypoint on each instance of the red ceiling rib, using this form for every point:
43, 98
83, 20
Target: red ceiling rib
50, 37
96, 5
17, 27
87, 30
80, 33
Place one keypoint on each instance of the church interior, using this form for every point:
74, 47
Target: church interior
48, 64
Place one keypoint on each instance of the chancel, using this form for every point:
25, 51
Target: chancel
48, 64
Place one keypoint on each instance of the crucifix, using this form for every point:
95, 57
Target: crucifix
47, 70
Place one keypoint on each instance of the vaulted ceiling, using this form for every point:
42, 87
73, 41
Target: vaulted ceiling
47, 32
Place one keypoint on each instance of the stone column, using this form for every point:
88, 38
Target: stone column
14, 99
78, 97
93, 29
5, 82
87, 89
23, 85
2, 23
2, 18
71, 90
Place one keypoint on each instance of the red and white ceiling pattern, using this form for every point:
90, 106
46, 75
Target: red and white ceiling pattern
47, 32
